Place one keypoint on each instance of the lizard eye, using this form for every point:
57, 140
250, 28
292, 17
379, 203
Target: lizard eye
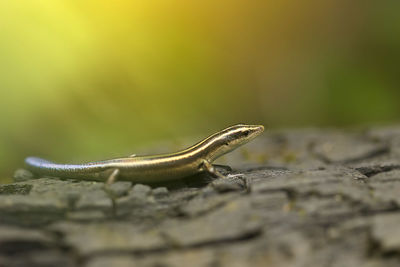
246, 133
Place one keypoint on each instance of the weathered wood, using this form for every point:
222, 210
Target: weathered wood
294, 198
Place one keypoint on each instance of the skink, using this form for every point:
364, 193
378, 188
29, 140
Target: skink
195, 159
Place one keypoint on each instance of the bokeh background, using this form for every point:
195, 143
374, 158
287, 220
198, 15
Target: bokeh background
93, 79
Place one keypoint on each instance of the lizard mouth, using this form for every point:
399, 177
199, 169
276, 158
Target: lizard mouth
256, 130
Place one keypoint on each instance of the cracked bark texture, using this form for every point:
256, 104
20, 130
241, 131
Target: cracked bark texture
294, 198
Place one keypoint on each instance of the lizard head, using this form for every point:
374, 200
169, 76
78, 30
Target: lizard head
240, 134
231, 138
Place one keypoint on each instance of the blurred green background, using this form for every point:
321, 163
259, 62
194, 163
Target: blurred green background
95, 79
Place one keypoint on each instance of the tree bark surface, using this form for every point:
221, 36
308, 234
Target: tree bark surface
308, 197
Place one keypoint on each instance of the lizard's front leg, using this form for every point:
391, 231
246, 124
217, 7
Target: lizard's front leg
208, 167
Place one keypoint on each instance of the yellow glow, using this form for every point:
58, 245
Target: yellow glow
90, 79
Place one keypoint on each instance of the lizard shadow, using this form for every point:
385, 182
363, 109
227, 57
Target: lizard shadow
195, 181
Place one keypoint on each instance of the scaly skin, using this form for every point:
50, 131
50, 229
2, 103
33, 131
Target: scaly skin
157, 168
